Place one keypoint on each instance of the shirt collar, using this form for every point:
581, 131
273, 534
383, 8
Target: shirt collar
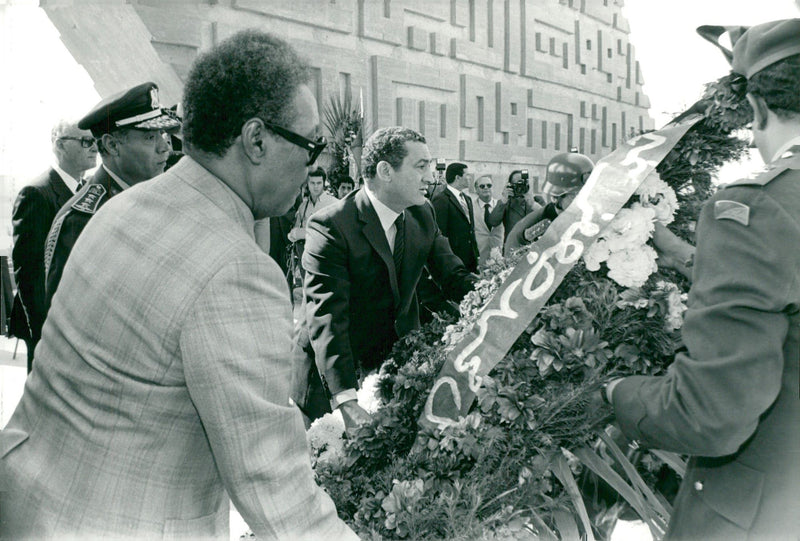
481, 203
794, 141
216, 190
455, 191
68, 179
122, 184
386, 215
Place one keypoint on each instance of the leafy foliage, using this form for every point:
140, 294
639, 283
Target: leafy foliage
345, 123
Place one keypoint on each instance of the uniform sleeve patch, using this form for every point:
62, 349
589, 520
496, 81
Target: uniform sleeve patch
91, 198
732, 210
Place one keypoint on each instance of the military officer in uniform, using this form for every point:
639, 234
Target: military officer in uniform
130, 128
731, 401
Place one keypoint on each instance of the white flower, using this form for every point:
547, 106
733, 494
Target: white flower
630, 228
656, 194
677, 304
326, 437
623, 246
632, 267
368, 393
596, 254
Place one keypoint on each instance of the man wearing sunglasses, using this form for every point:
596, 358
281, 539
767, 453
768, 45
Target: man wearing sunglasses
163, 383
488, 237
37, 204
130, 130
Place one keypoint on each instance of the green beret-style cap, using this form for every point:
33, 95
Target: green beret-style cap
137, 107
764, 44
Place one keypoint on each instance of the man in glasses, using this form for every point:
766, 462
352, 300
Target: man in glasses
488, 237
363, 258
130, 129
37, 204
163, 382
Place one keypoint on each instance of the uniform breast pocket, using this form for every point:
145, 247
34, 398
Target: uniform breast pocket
733, 491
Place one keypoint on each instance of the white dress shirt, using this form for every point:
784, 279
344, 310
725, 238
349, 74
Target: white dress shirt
386, 216
68, 179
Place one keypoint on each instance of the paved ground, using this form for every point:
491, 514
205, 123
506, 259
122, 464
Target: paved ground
12, 376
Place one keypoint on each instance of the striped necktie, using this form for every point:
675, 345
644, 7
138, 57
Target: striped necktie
399, 244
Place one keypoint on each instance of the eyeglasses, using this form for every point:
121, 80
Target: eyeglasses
314, 148
484, 185
86, 142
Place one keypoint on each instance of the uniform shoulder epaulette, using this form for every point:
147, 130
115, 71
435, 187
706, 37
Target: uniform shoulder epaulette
790, 160
90, 200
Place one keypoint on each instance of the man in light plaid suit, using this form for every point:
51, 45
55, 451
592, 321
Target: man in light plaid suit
162, 377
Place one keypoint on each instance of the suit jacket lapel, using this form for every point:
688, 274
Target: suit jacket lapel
63, 193
373, 231
454, 200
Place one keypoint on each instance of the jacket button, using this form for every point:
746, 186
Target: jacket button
698, 486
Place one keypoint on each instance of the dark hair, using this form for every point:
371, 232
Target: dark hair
318, 172
514, 172
387, 145
454, 170
345, 179
252, 74
779, 86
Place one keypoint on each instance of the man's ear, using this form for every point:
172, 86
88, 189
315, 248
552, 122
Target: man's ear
254, 140
110, 143
760, 111
384, 171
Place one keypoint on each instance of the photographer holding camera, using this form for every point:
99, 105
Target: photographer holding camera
515, 202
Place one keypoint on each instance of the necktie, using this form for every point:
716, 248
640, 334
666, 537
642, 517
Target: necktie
468, 207
399, 244
486, 216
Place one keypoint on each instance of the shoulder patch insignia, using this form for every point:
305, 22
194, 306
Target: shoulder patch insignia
90, 199
732, 210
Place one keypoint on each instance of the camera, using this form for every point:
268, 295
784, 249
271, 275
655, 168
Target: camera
520, 187
440, 164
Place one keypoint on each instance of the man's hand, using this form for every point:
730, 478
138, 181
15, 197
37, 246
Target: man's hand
673, 251
353, 414
508, 191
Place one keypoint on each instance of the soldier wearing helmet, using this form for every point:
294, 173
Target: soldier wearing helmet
566, 175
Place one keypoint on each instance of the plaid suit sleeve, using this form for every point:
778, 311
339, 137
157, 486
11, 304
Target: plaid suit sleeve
235, 344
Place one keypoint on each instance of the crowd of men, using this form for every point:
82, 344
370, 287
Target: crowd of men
168, 373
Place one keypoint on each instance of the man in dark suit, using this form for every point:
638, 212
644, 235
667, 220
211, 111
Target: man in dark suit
363, 258
731, 399
36, 206
455, 215
131, 132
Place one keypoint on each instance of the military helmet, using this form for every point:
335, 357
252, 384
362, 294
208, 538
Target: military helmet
566, 173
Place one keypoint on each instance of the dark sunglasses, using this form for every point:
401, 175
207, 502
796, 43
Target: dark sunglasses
314, 148
86, 142
484, 185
